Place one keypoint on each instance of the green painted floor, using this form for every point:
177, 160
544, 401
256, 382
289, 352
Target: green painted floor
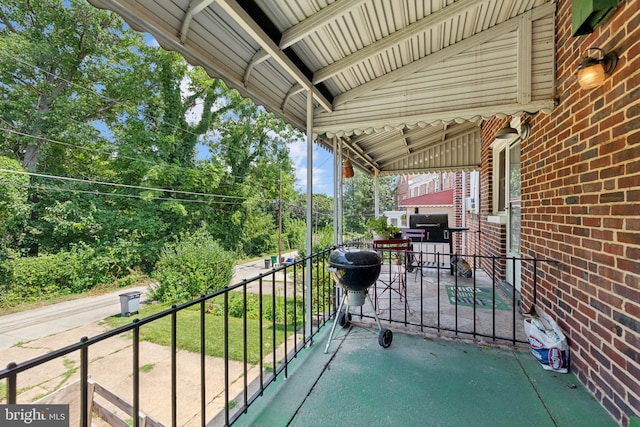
420, 382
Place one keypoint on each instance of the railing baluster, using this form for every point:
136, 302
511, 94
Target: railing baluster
174, 366
475, 293
244, 348
295, 305
284, 310
261, 334
513, 301
136, 374
226, 358
203, 394
438, 287
12, 383
273, 324
535, 281
455, 282
84, 384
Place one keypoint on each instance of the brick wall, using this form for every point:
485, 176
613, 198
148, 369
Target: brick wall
581, 207
492, 238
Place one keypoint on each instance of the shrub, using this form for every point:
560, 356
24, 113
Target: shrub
32, 279
194, 265
237, 307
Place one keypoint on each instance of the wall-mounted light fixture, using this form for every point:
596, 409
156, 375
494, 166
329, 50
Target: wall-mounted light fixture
347, 169
592, 71
507, 131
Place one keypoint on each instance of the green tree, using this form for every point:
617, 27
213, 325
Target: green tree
359, 200
14, 206
127, 146
63, 65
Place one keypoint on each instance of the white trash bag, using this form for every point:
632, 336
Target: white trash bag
548, 344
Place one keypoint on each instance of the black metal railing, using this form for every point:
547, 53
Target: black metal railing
282, 309
430, 294
434, 299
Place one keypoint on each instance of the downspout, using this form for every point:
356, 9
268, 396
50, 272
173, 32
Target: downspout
463, 244
309, 245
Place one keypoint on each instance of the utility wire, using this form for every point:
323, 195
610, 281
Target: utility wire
138, 187
131, 196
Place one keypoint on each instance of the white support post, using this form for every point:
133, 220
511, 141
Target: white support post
337, 191
376, 189
309, 245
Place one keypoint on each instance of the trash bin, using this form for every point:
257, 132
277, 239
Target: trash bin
274, 260
129, 303
267, 263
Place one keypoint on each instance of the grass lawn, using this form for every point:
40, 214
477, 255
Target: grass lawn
188, 332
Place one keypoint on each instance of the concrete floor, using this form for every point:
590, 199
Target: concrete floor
420, 381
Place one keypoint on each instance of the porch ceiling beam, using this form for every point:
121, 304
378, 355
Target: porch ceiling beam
395, 137
446, 53
295, 89
195, 7
432, 142
436, 144
360, 153
403, 137
393, 39
319, 19
245, 21
259, 57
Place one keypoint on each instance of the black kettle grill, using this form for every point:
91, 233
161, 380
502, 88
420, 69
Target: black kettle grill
355, 270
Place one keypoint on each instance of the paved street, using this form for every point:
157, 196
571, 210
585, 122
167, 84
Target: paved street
55, 318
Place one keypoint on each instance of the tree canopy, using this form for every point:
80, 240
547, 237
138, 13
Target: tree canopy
111, 148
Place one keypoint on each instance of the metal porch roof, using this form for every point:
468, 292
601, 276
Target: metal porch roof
404, 83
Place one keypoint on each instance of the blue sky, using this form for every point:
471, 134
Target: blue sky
322, 167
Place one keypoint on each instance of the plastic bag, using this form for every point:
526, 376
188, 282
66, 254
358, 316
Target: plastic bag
461, 267
548, 344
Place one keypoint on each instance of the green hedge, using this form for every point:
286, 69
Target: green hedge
33, 279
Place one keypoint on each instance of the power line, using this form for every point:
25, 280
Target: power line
131, 196
138, 187
114, 101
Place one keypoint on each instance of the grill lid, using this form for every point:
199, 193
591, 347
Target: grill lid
350, 259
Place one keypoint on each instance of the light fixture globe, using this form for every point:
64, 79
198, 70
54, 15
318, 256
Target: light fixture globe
592, 71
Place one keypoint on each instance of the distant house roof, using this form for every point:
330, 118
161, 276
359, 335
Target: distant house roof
433, 199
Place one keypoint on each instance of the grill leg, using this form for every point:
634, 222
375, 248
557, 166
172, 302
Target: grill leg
335, 322
374, 312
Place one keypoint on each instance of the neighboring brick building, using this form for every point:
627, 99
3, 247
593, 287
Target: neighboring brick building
580, 207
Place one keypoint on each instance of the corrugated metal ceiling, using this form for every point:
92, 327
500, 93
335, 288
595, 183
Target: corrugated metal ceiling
404, 83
